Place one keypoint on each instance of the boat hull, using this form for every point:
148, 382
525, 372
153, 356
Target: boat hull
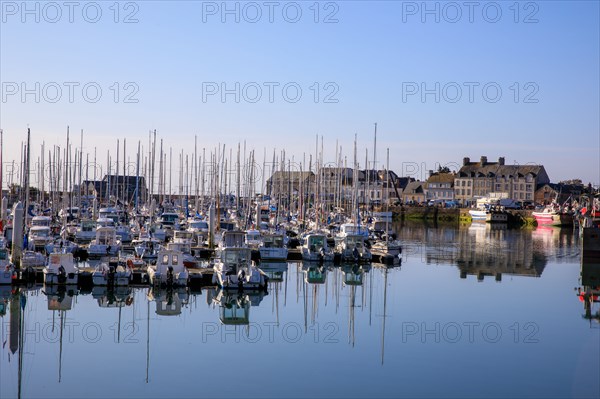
54, 279
6, 276
553, 219
273, 254
591, 243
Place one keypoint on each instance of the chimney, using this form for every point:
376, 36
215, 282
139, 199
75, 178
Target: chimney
483, 160
430, 172
501, 160
466, 161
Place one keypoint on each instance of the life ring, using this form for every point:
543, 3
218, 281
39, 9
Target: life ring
130, 263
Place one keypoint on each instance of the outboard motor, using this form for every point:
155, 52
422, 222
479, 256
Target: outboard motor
111, 275
241, 278
355, 254
170, 276
62, 275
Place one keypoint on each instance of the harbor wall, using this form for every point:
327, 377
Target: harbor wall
455, 215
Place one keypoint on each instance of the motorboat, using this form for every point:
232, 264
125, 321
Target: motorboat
110, 275
169, 269
316, 248
273, 247
234, 268
61, 269
106, 243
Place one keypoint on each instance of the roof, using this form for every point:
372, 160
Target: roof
413, 187
291, 175
441, 178
494, 169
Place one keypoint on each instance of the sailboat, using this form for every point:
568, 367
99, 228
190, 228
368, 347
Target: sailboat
386, 246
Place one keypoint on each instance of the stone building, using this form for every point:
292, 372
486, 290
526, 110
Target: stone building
478, 179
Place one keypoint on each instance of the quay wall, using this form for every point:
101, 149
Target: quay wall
457, 215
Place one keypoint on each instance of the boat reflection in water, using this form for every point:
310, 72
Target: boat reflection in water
487, 250
353, 274
113, 297
314, 272
169, 300
589, 292
5, 294
274, 270
60, 297
234, 307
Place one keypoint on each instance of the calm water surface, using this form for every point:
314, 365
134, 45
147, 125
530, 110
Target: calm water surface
470, 312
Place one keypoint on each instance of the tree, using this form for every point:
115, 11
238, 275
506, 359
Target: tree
444, 169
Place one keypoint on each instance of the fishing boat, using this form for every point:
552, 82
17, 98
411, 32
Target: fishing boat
233, 268
352, 248
253, 239
169, 221
316, 249
386, 248
32, 259
169, 269
273, 247
62, 245
106, 243
554, 215
39, 237
488, 210
86, 231
61, 269
146, 248
153, 230
109, 275
199, 229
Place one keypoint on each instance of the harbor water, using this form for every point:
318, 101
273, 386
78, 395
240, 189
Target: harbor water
473, 311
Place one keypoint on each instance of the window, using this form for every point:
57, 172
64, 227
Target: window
175, 260
528, 187
469, 183
165, 259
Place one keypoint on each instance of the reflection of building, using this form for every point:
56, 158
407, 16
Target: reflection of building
484, 250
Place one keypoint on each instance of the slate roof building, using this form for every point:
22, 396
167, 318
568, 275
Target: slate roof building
478, 179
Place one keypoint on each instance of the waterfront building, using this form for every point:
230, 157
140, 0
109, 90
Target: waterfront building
478, 179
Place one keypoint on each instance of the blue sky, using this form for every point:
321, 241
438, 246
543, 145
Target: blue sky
365, 67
